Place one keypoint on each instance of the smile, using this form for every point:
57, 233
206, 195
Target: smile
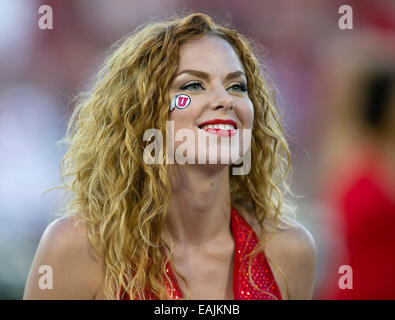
220, 127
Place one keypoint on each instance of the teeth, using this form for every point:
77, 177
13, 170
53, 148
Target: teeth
219, 126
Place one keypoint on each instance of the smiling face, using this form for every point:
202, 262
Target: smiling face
211, 74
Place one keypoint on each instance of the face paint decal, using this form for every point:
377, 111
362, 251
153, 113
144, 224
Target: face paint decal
181, 101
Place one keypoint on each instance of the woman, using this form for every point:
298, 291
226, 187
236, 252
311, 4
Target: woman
144, 229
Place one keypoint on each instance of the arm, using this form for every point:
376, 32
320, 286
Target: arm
77, 271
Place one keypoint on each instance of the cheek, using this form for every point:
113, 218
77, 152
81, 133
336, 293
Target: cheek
246, 114
184, 118
180, 119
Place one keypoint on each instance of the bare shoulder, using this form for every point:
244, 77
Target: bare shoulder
65, 265
292, 249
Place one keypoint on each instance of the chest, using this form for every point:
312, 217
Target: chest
209, 274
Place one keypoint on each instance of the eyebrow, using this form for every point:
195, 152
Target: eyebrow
205, 75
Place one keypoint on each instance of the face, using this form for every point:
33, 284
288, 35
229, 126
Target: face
211, 74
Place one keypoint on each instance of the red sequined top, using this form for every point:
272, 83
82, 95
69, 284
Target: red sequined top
245, 240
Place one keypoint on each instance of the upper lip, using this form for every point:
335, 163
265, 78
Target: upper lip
219, 121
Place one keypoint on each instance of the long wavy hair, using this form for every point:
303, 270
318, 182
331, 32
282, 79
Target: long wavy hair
122, 200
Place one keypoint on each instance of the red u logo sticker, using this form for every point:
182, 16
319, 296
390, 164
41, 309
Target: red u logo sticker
181, 101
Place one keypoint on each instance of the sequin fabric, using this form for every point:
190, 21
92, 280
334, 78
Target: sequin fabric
245, 241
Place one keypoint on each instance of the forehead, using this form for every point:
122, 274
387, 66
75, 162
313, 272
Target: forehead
207, 53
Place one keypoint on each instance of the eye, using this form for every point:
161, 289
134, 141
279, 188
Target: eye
192, 86
239, 87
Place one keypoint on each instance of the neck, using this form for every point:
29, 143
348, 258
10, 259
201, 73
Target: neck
199, 209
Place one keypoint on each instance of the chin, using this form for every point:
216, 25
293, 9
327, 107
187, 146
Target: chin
222, 157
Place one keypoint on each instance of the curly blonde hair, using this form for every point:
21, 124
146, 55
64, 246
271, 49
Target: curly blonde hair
122, 200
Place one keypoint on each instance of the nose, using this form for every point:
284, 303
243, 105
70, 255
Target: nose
221, 99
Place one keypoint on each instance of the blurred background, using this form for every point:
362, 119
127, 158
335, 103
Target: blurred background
337, 92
